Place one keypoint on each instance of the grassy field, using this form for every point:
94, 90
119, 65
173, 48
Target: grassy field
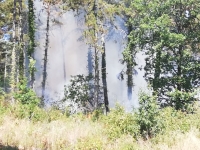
56, 130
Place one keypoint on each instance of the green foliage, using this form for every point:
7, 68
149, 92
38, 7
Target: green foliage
31, 66
148, 116
171, 40
25, 95
176, 122
119, 123
97, 114
2, 94
27, 99
90, 143
79, 93
31, 27
3, 104
35, 114
6, 12
183, 100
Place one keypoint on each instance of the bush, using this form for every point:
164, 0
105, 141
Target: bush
2, 94
89, 143
79, 94
119, 123
25, 95
148, 116
27, 100
3, 106
181, 100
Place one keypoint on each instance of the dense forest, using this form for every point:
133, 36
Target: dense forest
167, 32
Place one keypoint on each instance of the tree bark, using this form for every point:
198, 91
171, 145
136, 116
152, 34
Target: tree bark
96, 58
130, 69
5, 72
13, 55
45, 56
104, 81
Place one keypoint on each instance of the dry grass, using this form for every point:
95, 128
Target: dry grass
189, 141
57, 134
77, 133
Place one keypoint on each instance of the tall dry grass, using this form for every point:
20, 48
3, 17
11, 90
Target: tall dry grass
58, 134
77, 133
53, 130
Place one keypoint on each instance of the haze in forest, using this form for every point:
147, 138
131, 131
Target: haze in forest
69, 55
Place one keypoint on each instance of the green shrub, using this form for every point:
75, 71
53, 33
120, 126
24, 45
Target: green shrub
119, 123
89, 143
25, 95
4, 103
2, 94
182, 100
27, 100
78, 94
96, 114
2, 107
176, 120
148, 116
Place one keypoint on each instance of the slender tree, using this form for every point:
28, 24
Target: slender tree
103, 71
45, 54
31, 35
96, 55
13, 57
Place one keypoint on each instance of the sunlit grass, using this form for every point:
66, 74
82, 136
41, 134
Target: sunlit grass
54, 130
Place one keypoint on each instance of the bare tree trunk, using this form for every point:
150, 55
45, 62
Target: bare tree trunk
104, 81
31, 44
130, 70
96, 78
45, 56
13, 56
96, 58
5, 72
21, 47
20, 22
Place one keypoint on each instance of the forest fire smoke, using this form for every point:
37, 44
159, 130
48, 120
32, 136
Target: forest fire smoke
69, 55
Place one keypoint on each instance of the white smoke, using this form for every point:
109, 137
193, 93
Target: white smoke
68, 55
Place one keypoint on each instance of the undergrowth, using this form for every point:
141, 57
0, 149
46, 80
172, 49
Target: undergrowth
54, 129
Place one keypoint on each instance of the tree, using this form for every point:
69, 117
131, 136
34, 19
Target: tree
77, 93
168, 31
96, 12
5, 47
45, 53
31, 41
49, 3
148, 116
130, 51
14, 76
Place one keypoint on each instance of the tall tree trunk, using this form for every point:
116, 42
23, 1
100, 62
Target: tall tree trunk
20, 22
64, 61
31, 34
96, 57
13, 55
21, 47
130, 69
96, 78
45, 56
5, 72
157, 72
179, 73
104, 81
